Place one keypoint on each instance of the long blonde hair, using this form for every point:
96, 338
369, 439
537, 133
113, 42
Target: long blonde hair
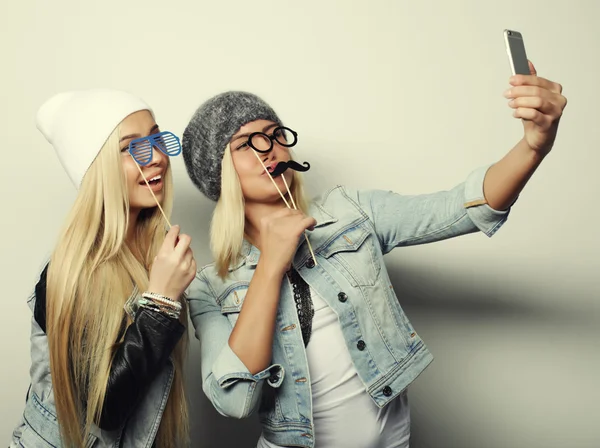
228, 221
92, 273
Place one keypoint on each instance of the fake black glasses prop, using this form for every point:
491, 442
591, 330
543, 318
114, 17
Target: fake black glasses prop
263, 143
166, 142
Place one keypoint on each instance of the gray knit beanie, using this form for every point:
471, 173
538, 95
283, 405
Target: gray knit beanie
210, 130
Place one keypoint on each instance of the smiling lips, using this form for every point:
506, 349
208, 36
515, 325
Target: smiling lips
154, 182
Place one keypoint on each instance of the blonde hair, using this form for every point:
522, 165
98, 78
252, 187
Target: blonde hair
92, 273
228, 221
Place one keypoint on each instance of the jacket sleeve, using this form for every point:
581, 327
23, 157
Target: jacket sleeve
404, 220
146, 347
226, 381
147, 344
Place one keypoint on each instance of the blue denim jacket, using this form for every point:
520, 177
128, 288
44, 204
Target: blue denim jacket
354, 230
39, 428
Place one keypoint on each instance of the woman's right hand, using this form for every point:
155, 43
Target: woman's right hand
279, 236
174, 267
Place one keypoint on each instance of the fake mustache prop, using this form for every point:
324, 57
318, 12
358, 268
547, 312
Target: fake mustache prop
280, 168
291, 164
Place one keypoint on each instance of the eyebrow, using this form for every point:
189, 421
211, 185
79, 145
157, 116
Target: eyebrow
127, 137
269, 126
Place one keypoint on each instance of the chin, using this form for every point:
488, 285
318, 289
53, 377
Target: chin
264, 196
146, 203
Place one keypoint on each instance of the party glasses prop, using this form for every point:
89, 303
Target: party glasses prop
166, 142
141, 151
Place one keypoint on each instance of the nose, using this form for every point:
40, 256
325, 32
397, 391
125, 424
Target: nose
274, 152
157, 157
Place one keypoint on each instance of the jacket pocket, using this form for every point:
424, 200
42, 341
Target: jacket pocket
354, 254
232, 299
40, 425
31, 439
40, 429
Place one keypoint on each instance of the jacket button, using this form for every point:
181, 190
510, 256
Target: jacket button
310, 263
273, 379
361, 345
387, 391
342, 297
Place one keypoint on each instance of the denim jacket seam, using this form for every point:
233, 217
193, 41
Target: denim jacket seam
201, 276
356, 205
45, 413
249, 395
333, 237
37, 403
381, 332
426, 235
32, 428
326, 195
384, 378
221, 297
495, 228
163, 403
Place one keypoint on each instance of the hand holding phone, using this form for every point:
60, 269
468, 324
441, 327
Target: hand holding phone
537, 101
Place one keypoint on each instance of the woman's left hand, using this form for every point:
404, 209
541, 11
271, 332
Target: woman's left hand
540, 104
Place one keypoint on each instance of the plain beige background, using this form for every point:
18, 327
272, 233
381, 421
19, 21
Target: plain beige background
385, 94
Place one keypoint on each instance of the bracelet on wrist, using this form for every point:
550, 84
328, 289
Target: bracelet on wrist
162, 299
159, 308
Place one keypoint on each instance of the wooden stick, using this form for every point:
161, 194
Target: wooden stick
157, 203
272, 180
289, 192
296, 208
286, 202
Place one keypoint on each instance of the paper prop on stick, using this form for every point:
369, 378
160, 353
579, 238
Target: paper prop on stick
263, 143
141, 150
292, 164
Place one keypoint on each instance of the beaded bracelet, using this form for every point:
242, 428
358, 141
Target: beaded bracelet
162, 299
160, 308
150, 305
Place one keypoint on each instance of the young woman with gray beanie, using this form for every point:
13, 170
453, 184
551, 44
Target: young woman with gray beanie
320, 347
108, 333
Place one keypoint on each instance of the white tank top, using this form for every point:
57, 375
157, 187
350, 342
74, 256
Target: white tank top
344, 415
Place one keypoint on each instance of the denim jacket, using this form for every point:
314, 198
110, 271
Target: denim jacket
38, 427
354, 230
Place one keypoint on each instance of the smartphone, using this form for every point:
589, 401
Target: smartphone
516, 52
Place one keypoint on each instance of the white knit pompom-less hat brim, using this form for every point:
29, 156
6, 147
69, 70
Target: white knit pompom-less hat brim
78, 123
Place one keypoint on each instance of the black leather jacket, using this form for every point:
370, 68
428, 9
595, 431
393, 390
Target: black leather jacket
146, 347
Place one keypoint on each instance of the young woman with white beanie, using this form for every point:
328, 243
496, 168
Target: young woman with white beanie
109, 324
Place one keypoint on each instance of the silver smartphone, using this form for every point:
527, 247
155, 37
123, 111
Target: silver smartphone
516, 52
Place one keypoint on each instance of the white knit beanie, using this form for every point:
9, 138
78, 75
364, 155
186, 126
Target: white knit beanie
78, 123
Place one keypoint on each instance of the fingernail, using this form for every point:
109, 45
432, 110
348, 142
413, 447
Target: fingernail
507, 93
511, 102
